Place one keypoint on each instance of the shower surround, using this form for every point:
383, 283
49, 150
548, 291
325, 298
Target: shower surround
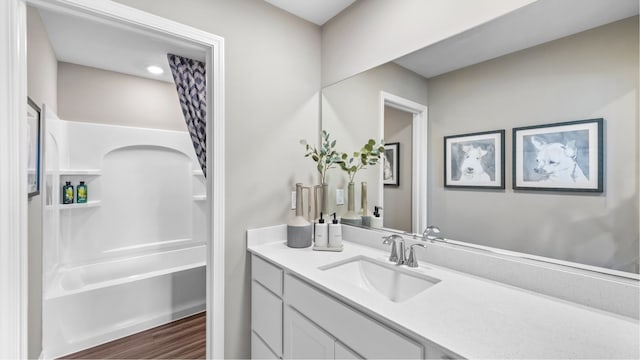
132, 257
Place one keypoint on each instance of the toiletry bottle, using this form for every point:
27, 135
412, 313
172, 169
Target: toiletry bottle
335, 233
376, 220
81, 193
67, 193
321, 233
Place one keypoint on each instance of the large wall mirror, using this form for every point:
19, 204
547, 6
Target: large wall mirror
590, 74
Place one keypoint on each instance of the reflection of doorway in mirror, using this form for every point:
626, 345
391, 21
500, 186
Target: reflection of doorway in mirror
398, 128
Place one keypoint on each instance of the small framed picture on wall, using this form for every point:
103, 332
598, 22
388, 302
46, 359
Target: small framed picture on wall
565, 156
34, 119
474, 160
391, 164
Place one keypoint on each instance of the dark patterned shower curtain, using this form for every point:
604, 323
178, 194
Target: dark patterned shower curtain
190, 78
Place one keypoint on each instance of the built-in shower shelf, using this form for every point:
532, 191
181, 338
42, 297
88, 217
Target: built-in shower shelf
198, 173
86, 172
88, 204
199, 197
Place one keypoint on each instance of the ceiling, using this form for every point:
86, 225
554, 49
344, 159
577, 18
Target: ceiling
531, 25
315, 11
114, 47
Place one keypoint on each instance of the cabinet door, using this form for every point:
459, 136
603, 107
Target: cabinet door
266, 316
342, 353
303, 339
260, 350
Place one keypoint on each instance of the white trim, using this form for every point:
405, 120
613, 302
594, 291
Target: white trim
13, 190
13, 196
215, 201
419, 170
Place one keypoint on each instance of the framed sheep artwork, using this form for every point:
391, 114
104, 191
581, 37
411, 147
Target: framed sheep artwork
474, 160
564, 156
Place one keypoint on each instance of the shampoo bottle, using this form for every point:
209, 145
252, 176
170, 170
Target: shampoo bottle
321, 233
67, 193
335, 233
81, 193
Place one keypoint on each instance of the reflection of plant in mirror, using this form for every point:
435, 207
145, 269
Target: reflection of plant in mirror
326, 158
368, 156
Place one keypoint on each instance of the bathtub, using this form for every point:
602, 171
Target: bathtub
92, 304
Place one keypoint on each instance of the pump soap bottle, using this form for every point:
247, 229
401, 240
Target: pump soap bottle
376, 220
335, 234
321, 234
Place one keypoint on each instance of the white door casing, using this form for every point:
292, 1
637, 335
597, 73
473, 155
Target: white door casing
13, 172
419, 155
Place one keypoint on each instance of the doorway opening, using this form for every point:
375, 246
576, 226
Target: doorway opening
14, 328
418, 151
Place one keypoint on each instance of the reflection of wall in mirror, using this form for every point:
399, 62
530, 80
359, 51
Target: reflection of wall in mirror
398, 126
350, 113
592, 74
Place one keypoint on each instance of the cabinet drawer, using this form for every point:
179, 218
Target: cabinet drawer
266, 316
260, 350
267, 274
364, 335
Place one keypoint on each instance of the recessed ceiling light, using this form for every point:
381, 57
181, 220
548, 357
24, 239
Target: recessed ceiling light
157, 70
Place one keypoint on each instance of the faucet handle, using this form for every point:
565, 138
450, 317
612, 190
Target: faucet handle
394, 253
412, 261
427, 234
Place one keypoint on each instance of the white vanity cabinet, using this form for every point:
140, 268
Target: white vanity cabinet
305, 340
266, 309
292, 319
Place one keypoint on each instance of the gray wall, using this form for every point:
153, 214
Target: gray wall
370, 33
351, 114
588, 75
41, 87
272, 70
398, 126
88, 94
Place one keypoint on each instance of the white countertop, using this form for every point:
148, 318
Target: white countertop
472, 316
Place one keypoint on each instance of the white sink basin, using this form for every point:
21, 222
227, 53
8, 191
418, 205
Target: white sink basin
393, 282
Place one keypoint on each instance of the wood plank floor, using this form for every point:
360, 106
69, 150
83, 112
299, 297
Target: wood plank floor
181, 339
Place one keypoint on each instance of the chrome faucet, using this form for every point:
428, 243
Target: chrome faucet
429, 231
396, 240
412, 261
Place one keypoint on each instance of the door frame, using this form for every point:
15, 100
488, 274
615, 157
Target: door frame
420, 138
13, 172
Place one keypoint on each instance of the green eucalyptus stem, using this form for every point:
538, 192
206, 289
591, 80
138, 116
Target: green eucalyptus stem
325, 158
369, 155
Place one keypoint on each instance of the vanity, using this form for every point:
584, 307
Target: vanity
356, 304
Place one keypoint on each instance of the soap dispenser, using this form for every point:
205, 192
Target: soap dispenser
321, 233
376, 219
335, 234
67, 193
